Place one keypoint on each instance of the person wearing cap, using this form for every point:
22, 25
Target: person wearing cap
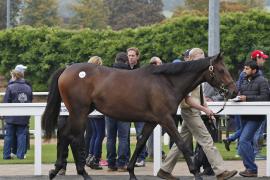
18, 91
260, 58
192, 125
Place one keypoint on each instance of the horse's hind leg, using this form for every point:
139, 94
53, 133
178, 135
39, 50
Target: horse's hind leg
78, 123
147, 130
171, 129
78, 151
62, 148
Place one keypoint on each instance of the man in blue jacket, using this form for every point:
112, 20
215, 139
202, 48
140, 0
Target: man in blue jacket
18, 91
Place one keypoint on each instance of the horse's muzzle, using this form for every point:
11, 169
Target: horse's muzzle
232, 95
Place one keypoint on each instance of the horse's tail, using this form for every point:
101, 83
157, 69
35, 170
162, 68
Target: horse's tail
51, 113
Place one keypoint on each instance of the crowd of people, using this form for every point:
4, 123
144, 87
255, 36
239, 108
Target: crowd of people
252, 86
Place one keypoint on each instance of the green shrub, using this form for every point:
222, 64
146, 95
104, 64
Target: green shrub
45, 49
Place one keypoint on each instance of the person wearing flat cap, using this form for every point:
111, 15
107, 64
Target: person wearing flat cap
17, 91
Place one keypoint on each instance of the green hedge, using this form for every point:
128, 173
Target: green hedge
45, 49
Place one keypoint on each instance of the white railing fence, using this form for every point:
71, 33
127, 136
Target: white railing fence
232, 108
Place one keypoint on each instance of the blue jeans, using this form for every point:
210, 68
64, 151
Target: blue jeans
121, 129
238, 125
98, 134
245, 145
139, 128
20, 134
88, 135
258, 136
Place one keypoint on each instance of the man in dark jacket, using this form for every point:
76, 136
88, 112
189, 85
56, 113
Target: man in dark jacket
134, 63
18, 91
253, 88
118, 128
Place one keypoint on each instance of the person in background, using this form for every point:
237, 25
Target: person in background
156, 61
133, 59
253, 88
98, 132
115, 128
18, 91
22, 68
193, 125
259, 57
177, 118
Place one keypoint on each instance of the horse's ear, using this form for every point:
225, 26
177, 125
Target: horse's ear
219, 56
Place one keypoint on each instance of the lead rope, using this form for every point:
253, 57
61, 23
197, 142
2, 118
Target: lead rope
223, 107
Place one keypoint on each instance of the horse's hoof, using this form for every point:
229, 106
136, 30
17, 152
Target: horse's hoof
198, 177
85, 175
52, 174
133, 178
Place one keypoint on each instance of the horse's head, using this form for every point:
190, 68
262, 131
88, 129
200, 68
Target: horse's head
219, 77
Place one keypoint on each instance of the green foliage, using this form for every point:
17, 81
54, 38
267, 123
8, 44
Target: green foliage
134, 13
90, 14
45, 49
14, 12
40, 13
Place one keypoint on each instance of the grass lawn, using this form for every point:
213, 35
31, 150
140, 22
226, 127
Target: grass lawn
49, 154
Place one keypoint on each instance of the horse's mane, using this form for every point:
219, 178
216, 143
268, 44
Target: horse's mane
187, 66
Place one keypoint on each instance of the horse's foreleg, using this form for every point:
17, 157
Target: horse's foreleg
147, 130
171, 129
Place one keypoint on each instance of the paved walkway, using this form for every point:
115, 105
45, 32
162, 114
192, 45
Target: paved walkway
180, 170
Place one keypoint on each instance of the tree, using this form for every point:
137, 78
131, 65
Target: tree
90, 13
200, 7
14, 13
3, 11
134, 13
39, 12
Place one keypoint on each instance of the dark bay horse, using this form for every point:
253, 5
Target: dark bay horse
150, 94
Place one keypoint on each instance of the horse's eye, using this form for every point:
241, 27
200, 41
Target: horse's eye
221, 71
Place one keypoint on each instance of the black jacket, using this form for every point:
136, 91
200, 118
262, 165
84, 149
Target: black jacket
120, 65
255, 89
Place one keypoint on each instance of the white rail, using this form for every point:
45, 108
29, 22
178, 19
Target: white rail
232, 108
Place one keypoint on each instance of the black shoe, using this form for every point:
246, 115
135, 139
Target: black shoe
94, 163
227, 144
165, 175
88, 160
112, 168
95, 166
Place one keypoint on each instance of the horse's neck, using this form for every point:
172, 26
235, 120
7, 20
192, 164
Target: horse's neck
185, 84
